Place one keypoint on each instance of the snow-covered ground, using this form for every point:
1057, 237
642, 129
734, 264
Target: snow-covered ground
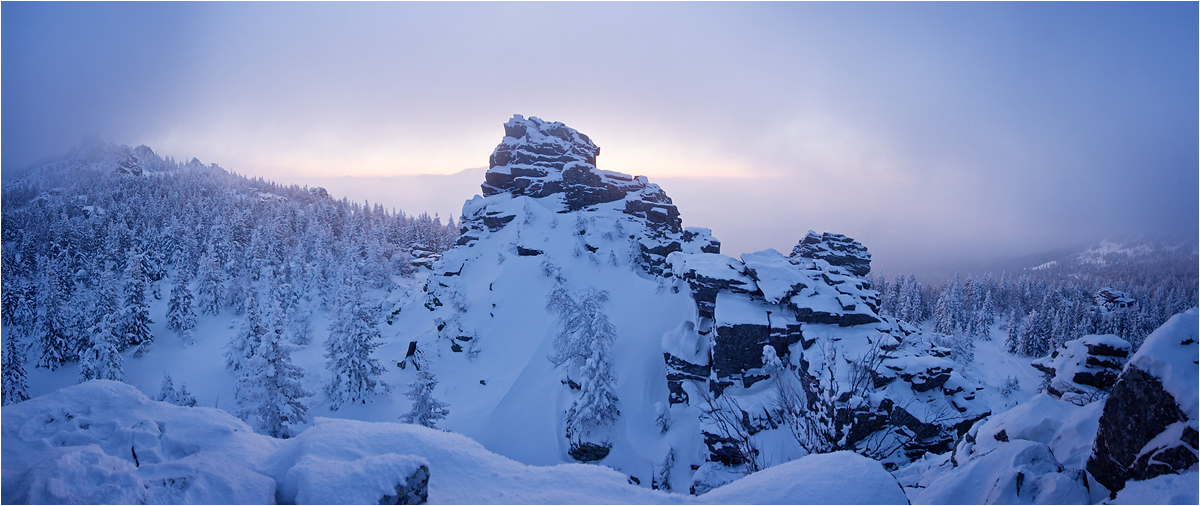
104, 442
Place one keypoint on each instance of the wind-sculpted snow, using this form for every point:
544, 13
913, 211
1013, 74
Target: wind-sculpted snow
103, 442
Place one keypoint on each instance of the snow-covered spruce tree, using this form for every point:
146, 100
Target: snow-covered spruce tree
962, 348
243, 344
912, 301
237, 292
168, 393
181, 316
353, 336
51, 328
135, 315
425, 409
268, 384
102, 359
985, 317
948, 311
16, 388
107, 300
583, 345
597, 403
1035, 336
210, 284
1012, 333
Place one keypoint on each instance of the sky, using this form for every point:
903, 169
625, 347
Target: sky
938, 134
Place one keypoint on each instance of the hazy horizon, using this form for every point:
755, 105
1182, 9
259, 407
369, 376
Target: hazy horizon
936, 134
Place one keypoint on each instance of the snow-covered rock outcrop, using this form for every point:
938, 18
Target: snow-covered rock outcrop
556, 165
883, 387
690, 330
1031, 454
1082, 370
1149, 425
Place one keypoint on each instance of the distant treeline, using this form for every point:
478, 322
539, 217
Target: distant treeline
1115, 293
86, 239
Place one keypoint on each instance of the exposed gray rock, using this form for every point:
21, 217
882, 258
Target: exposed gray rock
1149, 424
837, 249
1137, 412
414, 490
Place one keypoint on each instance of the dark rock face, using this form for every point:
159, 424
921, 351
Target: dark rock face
722, 449
738, 348
588, 452
837, 249
678, 371
414, 490
1138, 411
703, 239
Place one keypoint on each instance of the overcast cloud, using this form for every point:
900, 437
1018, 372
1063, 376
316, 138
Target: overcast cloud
933, 133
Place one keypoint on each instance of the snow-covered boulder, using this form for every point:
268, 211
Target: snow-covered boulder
1021, 472
1149, 425
104, 442
828, 478
1031, 454
1082, 370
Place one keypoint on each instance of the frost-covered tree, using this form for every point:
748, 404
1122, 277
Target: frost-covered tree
237, 292
353, 336
268, 385
1035, 336
243, 344
962, 348
52, 328
948, 312
597, 402
168, 393
1012, 335
102, 359
583, 343
135, 315
985, 317
210, 284
910, 307
107, 299
15, 381
181, 316
426, 410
